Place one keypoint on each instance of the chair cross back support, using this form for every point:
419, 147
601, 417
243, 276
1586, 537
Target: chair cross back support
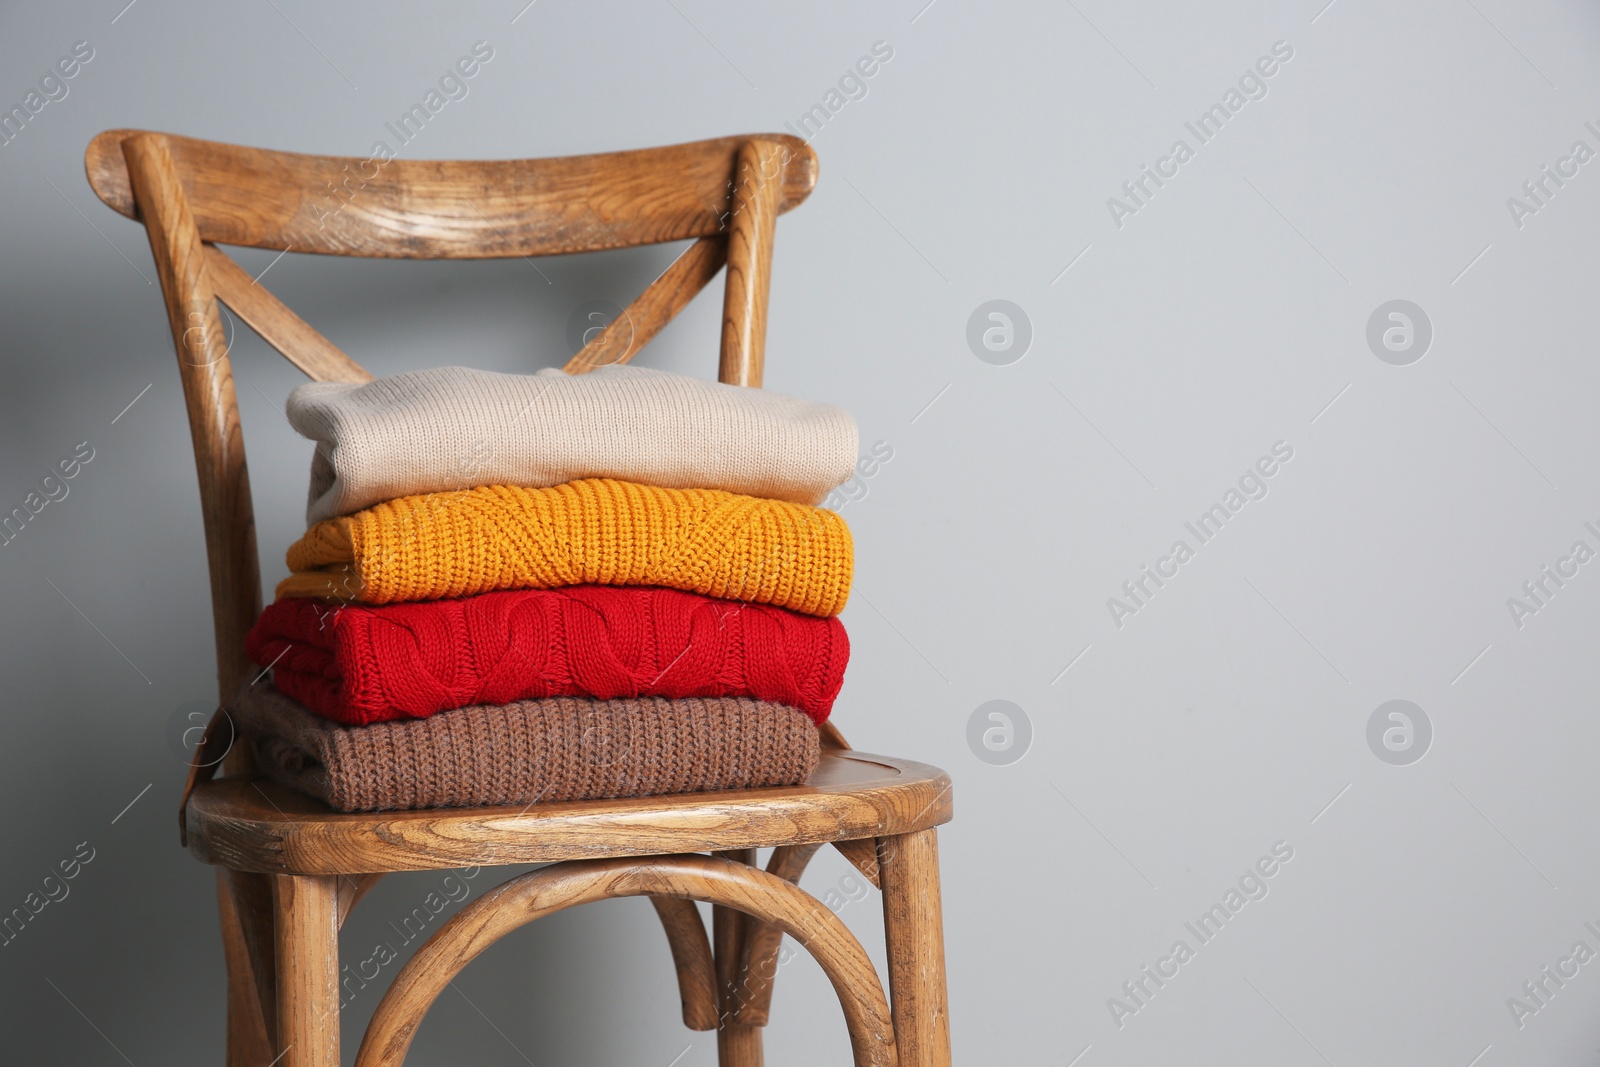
289, 870
422, 209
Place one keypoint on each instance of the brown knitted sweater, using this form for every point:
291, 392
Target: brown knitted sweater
555, 749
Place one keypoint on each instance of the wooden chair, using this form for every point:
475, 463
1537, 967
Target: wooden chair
289, 868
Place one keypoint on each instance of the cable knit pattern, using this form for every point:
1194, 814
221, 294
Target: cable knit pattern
357, 664
452, 428
594, 531
532, 751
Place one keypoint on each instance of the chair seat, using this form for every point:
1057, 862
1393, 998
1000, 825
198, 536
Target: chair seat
251, 824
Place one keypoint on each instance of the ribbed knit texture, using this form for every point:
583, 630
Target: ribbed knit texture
358, 664
453, 428
595, 531
527, 752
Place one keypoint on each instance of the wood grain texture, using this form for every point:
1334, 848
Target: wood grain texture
757, 203
253, 908
691, 958
245, 906
914, 931
281, 328
208, 394
758, 956
738, 1043
438, 209
308, 970
863, 855
252, 995
717, 881
256, 826
352, 887
652, 309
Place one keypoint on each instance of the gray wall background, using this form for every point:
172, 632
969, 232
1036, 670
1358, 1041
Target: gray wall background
1168, 353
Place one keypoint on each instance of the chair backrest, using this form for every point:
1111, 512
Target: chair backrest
192, 195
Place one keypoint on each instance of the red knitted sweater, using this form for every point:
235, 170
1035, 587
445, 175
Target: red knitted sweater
359, 664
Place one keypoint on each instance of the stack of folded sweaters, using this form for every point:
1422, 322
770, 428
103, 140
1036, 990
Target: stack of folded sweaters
524, 588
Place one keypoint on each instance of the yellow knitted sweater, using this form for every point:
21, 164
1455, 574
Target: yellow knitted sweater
596, 530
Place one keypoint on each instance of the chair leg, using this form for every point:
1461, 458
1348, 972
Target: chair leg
251, 1040
308, 969
914, 930
738, 1044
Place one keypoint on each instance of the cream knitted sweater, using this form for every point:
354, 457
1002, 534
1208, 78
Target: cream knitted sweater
455, 428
